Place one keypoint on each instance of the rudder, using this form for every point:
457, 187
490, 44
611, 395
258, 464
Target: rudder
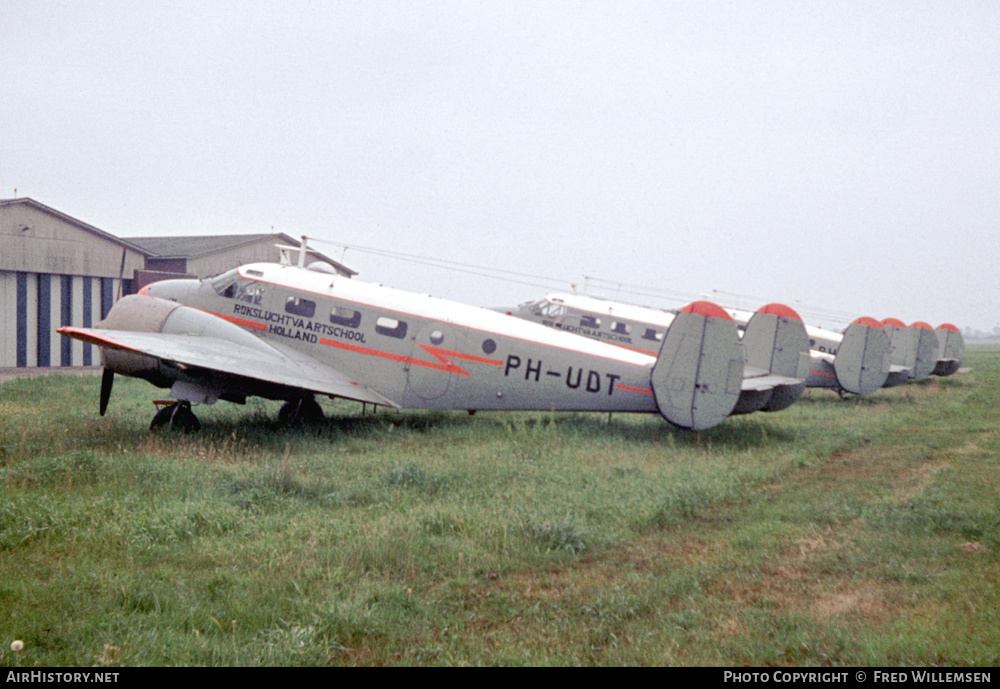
862, 361
697, 376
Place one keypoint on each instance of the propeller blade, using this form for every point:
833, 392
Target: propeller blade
107, 380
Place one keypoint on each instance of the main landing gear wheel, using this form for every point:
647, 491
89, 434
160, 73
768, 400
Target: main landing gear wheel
176, 416
303, 409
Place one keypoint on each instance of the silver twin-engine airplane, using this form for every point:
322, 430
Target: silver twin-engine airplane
773, 341
291, 332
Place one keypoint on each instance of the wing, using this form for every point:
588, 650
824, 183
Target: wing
264, 362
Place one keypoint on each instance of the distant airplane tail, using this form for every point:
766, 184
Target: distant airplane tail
697, 376
926, 343
902, 352
862, 361
951, 349
775, 341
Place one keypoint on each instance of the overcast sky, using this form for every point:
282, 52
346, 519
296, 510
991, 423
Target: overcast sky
840, 157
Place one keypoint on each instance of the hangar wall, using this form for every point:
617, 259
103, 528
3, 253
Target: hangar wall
54, 271
35, 304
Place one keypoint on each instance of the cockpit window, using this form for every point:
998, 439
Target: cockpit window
249, 292
550, 310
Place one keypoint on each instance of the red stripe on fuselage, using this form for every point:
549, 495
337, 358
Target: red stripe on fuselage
630, 388
440, 354
239, 321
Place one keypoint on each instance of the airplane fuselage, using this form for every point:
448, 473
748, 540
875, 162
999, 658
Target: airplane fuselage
417, 350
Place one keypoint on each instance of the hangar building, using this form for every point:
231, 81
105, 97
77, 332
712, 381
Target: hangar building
56, 270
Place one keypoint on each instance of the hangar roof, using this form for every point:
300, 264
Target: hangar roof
198, 246
26, 201
192, 247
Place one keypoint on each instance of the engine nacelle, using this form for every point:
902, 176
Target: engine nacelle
142, 313
145, 313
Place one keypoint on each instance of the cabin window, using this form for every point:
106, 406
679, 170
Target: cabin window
489, 346
349, 318
390, 327
300, 307
590, 321
621, 327
652, 334
437, 337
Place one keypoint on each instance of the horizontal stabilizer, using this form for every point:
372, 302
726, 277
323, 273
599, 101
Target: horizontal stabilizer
753, 398
784, 395
897, 376
862, 361
697, 376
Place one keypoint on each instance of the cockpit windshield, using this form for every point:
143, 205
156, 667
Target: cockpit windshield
550, 309
249, 291
225, 284
232, 286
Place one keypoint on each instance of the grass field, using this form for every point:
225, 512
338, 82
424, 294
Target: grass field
838, 532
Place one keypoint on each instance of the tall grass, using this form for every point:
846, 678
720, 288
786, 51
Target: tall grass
858, 531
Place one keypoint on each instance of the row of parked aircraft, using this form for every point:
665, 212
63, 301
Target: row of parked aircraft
288, 331
867, 356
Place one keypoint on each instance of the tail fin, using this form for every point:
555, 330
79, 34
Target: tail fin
775, 341
902, 352
862, 361
927, 345
697, 376
951, 349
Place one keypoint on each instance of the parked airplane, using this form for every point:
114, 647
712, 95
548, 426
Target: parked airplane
774, 342
852, 363
870, 351
290, 332
915, 352
855, 361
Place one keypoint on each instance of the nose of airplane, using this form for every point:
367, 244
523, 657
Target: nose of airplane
174, 290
